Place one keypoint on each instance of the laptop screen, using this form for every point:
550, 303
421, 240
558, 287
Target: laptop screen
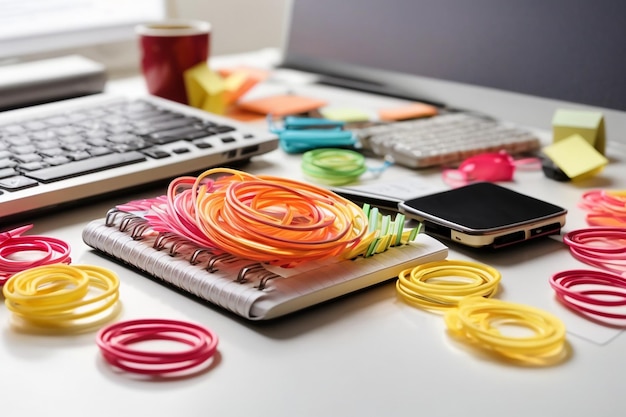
570, 50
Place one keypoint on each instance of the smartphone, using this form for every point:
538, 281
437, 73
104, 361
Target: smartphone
484, 214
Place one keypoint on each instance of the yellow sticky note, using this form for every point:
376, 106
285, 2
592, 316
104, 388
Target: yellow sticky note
236, 85
588, 124
345, 114
576, 157
205, 89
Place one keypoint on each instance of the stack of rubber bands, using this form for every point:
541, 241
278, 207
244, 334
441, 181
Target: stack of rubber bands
605, 207
463, 291
122, 345
18, 253
269, 219
46, 293
42, 289
60, 297
599, 295
601, 247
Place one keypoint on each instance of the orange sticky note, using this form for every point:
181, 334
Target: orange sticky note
282, 105
259, 74
410, 111
235, 112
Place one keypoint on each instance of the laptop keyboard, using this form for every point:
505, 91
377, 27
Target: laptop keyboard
60, 153
444, 139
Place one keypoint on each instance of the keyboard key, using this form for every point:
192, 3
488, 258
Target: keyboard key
185, 133
17, 183
155, 153
87, 166
7, 172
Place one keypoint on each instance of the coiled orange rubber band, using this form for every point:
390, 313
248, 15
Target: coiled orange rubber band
63, 297
275, 220
441, 285
482, 322
269, 219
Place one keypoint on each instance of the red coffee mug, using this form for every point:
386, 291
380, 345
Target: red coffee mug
168, 49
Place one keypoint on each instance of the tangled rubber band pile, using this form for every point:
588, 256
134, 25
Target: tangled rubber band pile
463, 291
605, 207
270, 219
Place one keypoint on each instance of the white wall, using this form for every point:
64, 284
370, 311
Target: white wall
238, 25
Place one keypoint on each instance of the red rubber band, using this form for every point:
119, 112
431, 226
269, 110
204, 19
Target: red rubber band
12, 242
598, 293
602, 247
117, 344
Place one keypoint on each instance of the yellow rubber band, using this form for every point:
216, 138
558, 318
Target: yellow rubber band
480, 322
63, 297
441, 285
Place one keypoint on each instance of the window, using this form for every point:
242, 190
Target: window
41, 26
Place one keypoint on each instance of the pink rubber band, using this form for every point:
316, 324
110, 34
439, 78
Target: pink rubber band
117, 341
605, 207
596, 294
602, 247
14, 249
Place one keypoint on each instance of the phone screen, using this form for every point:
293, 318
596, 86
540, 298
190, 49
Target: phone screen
480, 206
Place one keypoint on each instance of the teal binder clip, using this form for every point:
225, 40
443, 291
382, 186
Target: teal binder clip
300, 134
292, 123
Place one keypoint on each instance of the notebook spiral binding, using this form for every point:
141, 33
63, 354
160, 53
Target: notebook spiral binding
138, 228
249, 288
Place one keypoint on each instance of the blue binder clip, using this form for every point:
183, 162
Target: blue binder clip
292, 123
300, 134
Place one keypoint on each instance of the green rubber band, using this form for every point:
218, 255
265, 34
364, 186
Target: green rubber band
333, 166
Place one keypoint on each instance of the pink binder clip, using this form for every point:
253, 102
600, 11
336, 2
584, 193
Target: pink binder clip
491, 166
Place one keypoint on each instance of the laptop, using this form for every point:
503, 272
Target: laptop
72, 151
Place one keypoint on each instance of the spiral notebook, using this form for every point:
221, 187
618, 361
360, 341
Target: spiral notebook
247, 288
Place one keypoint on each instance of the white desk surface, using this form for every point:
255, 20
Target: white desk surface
368, 354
